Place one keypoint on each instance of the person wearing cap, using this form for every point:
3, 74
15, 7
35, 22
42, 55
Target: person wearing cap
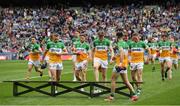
164, 59
34, 57
137, 48
120, 68
100, 49
82, 49
55, 49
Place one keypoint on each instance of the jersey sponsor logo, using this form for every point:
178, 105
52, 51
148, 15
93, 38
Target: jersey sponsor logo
99, 48
55, 50
80, 49
165, 48
137, 50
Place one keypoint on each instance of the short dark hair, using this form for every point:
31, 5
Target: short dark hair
119, 34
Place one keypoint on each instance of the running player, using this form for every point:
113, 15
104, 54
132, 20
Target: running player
34, 57
55, 49
120, 68
174, 53
165, 49
137, 48
152, 48
100, 49
83, 50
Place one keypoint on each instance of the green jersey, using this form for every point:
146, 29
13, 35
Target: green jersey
137, 51
74, 40
101, 48
152, 47
122, 45
83, 49
129, 42
165, 48
34, 52
54, 50
34, 47
164, 45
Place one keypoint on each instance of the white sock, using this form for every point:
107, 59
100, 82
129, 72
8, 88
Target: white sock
75, 77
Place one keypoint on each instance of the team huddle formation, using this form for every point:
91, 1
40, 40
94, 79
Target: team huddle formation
123, 53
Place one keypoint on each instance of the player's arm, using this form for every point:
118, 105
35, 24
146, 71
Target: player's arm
121, 54
45, 53
92, 54
111, 51
64, 49
38, 50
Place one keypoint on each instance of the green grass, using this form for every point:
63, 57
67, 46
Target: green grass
155, 92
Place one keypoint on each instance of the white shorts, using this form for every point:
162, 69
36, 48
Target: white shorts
35, 63
103, 63
121, 72
136, 66
55, 66
74, 58
174, 61
47, 59
152, 56
81, 65
161, 60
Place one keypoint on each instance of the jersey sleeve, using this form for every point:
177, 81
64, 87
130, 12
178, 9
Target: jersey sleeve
63, 46
48, 46
144, 45
87, 47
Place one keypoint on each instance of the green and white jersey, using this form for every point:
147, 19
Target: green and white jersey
137, 51
165, 48
82, 48
122, 44
75, 40
34, 47
101, 48
54, 51
34, 52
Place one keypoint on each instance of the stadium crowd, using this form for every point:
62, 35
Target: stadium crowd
19, 24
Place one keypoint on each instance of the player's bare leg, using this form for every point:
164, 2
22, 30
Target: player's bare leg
30, 66
130, 87
113, 87
162, 71
168, 70
39, 71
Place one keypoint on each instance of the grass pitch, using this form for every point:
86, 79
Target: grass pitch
154, 92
